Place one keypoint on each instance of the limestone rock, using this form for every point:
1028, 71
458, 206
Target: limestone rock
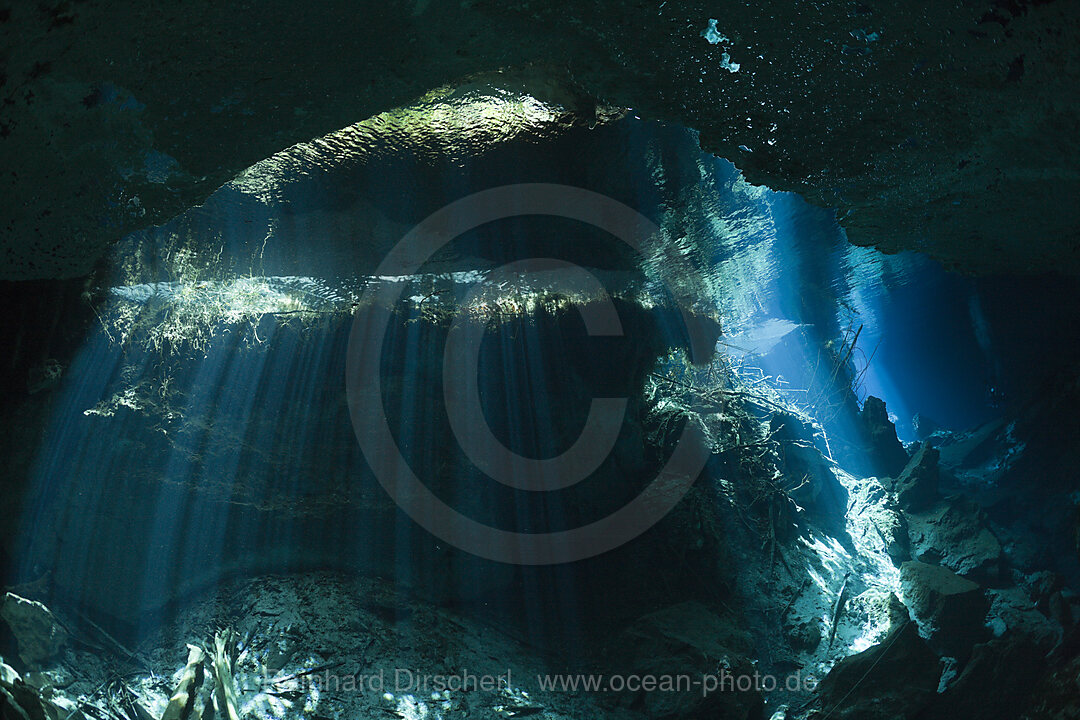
886, 452
950, 607
890, 681
8, 676
85, 125
917, 486
1042, 584
18, 701
39, 636
33, 698
996, 682
1013, 610
954, 534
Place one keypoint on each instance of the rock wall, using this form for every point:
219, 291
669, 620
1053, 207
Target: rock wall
949, 129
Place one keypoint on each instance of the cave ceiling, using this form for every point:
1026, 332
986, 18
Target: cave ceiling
944, 127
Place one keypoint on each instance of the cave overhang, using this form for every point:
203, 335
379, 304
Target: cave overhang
941, 128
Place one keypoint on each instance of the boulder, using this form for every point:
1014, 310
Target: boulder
1013, 610
22, 699
886, 452
917, 485
893, 680
954, 533
8, 676
18, 701
950, 608
39, 636
996, 683
689, 639
1042, 584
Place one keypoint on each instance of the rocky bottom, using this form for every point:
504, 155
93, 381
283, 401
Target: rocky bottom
925, 595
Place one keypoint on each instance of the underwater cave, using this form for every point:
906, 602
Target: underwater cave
533, 360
